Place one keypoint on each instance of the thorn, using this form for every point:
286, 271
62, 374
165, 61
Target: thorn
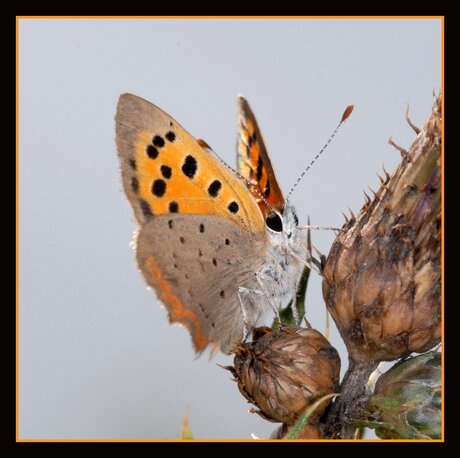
373, 192
227, 368
353, 216
315, 262
387, 175
317, 252
345, 216
403, 152
380, 178
368, 199
307, 323
231, 369
414, 127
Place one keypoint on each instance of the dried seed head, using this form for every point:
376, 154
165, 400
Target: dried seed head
284, 372
382, 277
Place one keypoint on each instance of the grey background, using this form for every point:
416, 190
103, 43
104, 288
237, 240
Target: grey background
98, 358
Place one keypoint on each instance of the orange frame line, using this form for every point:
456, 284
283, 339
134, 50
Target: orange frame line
231, 17
441, 18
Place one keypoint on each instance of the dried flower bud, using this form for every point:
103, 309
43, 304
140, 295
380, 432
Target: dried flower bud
284, 372
382, 278
407, 399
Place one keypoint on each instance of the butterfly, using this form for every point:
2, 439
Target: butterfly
221, 248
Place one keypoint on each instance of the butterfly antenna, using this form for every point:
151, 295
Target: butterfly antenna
345, 115
248, 183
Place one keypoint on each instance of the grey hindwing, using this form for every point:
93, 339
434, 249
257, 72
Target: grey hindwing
205, 259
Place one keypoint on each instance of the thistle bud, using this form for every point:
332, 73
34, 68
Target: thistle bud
407, 400
382, 278
284, 372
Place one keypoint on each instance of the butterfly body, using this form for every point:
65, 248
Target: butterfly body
216, 255
285, 252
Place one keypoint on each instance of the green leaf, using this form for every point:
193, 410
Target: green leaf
286, 313
302, 421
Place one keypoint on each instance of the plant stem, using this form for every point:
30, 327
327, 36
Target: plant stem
347, 406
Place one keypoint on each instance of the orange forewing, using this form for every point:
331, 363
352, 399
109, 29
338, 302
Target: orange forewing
166, 170
253, 161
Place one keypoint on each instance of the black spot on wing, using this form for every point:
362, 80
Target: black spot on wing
145, 208
203, 311
189, 167
159, 188
260, 166
170, 136
166, 171
158, 141
152, 152
267, 189
214, 188
135, 185
248, 145
233, 207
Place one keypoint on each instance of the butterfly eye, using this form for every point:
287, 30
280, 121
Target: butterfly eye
274, 222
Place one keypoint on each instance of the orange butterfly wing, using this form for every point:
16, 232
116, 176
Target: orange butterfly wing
166, 170
253, 162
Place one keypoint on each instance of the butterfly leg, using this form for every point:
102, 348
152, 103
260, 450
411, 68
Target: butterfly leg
243, 294
269, 297
241, 291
